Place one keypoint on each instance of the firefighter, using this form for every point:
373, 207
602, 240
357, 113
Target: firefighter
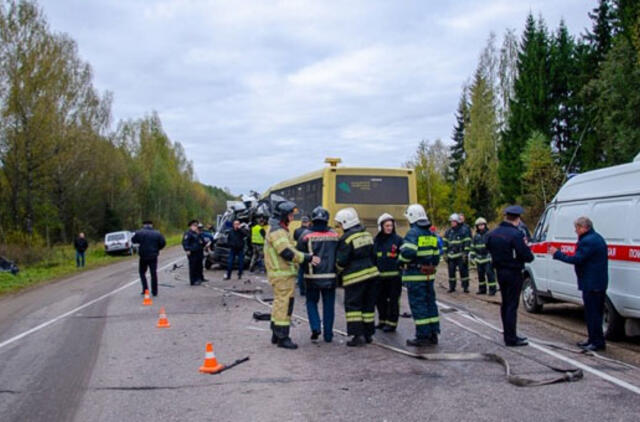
258, 232
419, 257
281, 262
387, 246
355, 259
457, 245
481, 257
193, 244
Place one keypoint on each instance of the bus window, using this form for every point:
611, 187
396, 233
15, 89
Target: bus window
392, 190
307, 196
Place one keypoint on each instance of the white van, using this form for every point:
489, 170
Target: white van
610, 197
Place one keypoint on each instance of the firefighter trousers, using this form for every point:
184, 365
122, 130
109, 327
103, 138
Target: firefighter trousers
283, 288
422, 301
486, 277
388, 303
461, 265
359, 306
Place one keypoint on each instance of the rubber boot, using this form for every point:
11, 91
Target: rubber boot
315, 335
274, 339
433, 339
389, 329
356, 341
368, 339
418, 342
286, 343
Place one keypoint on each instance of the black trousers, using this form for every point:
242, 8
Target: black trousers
486, 278
152, 265
194, 268
593, 314
458, 263
510, 281
359, 306
388, 303
200, 265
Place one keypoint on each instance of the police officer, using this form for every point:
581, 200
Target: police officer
355, 259
419, 256
281, 258
150, 243
387, 247
509, 253
193, 245
480, 256
457, 245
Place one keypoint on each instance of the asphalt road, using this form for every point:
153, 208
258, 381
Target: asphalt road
108, 362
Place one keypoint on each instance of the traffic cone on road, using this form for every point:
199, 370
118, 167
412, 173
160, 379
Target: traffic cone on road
147, 299
163, 322
210, 365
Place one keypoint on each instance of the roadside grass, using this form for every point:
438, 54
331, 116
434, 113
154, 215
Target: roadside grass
61, 262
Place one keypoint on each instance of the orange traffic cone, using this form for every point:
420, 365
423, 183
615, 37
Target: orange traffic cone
147, 299
210, 365
163, 322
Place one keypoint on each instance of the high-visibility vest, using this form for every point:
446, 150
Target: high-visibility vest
256, 236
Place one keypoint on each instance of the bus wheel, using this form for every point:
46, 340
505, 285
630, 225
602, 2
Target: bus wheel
612, 323
530, 298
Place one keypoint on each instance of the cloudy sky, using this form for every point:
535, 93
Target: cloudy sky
260, 91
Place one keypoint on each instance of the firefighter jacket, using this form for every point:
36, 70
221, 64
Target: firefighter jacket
479, 251
280, 255
419, 254
257, 234
355, 257
387, 248
457, 242
320, 241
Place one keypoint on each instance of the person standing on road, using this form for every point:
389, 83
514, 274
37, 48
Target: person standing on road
236, 240
81, 245
387, 247
150, 242
509, 253
281, 258
419, 256
591, 263
304, 225
355, 259
457, 245
481, 257
320, 280
193, 245
258, 232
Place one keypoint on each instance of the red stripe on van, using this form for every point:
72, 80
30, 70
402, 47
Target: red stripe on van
616, 252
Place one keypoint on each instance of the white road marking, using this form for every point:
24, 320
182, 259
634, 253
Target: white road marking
79, 308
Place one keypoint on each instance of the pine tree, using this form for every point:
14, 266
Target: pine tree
530, 107
456, 151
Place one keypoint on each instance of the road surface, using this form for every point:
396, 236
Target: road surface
84, 349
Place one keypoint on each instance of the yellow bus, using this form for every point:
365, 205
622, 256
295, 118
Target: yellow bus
371, 191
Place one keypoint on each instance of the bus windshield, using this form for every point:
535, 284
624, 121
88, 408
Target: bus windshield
392, 190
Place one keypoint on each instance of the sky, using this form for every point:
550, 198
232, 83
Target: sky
261, 91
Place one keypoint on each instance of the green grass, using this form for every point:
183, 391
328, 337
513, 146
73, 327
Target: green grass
62, 263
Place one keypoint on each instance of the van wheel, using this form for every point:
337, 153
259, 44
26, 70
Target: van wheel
530, 298
612, 323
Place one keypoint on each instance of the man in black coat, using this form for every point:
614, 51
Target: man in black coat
151, 242
591, 263
509, 253
236, 241
193, 245
81, 245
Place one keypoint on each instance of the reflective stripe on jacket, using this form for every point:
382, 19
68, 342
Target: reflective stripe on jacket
456, 242
479, 251
280, 255
355, 256
420, 248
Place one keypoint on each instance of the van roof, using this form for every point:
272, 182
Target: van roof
611, 181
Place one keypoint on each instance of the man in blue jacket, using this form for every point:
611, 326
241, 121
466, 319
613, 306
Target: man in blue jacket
592, 268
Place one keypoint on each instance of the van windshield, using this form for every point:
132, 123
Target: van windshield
117, 236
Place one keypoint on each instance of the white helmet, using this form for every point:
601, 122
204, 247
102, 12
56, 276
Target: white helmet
347, 217
384, 217
454, 217
415, 213
481, 220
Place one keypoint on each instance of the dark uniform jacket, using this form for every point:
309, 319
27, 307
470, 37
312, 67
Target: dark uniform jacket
80, 244
507, 247
419, 252
322, 242
387, 248
192, 242
591, 262
457, 242
150, 241
236, 239
298, 232
355, 257
479, 251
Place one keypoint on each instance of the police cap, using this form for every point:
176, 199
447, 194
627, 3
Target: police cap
514, 210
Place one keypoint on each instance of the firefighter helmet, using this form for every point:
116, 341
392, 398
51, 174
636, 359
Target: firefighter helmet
481, 220
384, 218
347, 218
454, 217
416, 213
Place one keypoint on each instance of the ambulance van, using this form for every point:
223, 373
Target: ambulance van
610, 197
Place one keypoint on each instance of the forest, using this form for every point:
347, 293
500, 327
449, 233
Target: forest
538, 108
65, 166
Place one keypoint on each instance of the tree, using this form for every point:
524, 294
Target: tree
456, 151
542, 177
529, 109
507, 75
